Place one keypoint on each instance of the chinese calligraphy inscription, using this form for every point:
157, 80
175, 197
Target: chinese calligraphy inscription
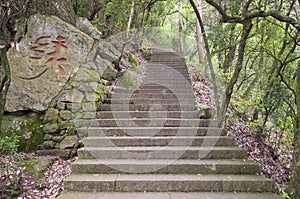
48, 51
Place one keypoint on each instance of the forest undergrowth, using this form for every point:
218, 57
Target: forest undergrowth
275, 160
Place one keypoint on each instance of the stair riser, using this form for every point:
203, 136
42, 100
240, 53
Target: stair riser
161, 154
166, 64
145, 123
166, 81
154, 114
151, 96
166, 141
203, 123
149, 101
175, 71
145, 107
161, 78
171, 84
175, 74
153, 132
166, 59
167, 186
163, 169
168, 68
173, 87
153, 91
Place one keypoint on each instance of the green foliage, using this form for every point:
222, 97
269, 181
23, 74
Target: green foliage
9, 145
134, 62
28, 130
101, 95
40, 186
284, 194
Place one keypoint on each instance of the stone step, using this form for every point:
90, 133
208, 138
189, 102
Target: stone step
170, 69
178, 75
164, 78
164, 60
148, 114
168, 122
158, 141
168, 166
165, 86
149, 101
174, 72
169, 152
166, 81
161, 60
147, 107
168, 195
155, 79
153, 131
166, 183
162, 90
151, 95
150, 122
160, 75
166, 65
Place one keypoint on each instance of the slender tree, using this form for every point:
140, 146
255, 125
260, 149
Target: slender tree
180, 25
199, 37
294, 187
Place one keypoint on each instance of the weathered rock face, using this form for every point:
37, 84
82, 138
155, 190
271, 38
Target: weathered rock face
49, 54
85, 26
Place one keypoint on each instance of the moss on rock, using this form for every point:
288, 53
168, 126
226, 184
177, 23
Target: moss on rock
30, 130
130, 81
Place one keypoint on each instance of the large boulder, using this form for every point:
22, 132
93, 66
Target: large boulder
85, 26
48, 56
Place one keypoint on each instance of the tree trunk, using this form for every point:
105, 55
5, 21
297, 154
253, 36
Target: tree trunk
130, 18
232, 49
239, 65
209, 58
5, 38
4, 80
294, 187
137, 12
180, 25
199, 36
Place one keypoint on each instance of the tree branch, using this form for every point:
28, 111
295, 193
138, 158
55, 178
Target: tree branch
248, 16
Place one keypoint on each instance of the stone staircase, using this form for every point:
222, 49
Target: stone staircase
150, 143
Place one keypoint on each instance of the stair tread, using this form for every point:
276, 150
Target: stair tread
168, 195
164, 161
156, 128
142, 119
158, 137
163, 148
166, 177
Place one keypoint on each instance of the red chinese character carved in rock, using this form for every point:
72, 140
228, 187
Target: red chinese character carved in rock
52, 58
